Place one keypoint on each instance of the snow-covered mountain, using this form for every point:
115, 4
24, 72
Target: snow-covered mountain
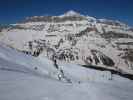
74, 38
24, 77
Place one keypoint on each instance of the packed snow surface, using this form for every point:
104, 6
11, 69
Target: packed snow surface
24, 77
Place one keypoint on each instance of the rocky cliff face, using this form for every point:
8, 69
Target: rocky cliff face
74, 38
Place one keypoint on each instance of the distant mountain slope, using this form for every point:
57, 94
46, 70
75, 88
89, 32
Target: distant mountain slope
74, 38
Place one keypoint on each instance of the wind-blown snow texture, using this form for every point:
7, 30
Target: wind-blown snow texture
74, 38
19, 80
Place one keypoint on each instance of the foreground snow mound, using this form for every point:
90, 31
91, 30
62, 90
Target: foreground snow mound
24, 77
20, 86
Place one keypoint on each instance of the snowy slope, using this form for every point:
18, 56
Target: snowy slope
74, 38
20, 81
19, 86
12, 60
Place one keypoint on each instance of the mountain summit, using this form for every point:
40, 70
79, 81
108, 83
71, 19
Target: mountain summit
71, 13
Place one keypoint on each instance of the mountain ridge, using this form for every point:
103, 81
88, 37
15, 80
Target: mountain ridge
74, 38
71, 14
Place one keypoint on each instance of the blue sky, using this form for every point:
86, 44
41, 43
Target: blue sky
12, 11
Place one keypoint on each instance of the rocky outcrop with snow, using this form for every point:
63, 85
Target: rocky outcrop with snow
74, 38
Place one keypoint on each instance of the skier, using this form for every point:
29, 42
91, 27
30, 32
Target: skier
60, 73
55, 64
57, 67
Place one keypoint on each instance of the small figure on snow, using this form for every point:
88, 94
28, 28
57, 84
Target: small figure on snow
35, 68
61, 75
55, 64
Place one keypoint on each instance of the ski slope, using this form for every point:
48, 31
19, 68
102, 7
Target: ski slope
19, 80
